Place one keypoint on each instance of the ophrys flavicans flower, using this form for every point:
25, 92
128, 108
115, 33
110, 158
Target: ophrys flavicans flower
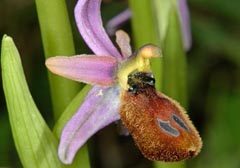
123, 88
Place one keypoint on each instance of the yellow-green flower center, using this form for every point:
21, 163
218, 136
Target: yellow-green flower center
139, 61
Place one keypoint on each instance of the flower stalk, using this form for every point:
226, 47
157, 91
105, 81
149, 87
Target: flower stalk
57, 40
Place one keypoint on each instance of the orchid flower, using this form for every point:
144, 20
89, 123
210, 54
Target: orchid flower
108, 71
103, 70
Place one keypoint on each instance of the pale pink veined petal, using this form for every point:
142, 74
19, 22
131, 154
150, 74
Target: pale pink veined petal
99, 109
113, 24
123, 42
185, 24
89, 22
85, 68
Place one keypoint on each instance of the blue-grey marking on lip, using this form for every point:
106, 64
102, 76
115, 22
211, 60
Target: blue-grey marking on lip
180, 122
166, 127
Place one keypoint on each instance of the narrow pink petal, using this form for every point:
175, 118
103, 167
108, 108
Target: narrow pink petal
123, 42
85, 68
99, 109
117, 21
185, 24
89, 22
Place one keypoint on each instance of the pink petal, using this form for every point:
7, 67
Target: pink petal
99, 109
85, 68
185, 24
89, 22
117, 21
123, 42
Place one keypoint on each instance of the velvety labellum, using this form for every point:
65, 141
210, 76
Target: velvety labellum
159, 125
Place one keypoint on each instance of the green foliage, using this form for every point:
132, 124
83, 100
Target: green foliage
35, 143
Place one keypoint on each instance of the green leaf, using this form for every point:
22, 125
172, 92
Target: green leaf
35, 143
161, 10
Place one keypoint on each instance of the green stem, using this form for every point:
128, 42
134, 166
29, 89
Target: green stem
169, 165
174, 61
145, 31
57, 40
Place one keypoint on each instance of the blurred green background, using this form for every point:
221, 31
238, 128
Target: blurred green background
213, 83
